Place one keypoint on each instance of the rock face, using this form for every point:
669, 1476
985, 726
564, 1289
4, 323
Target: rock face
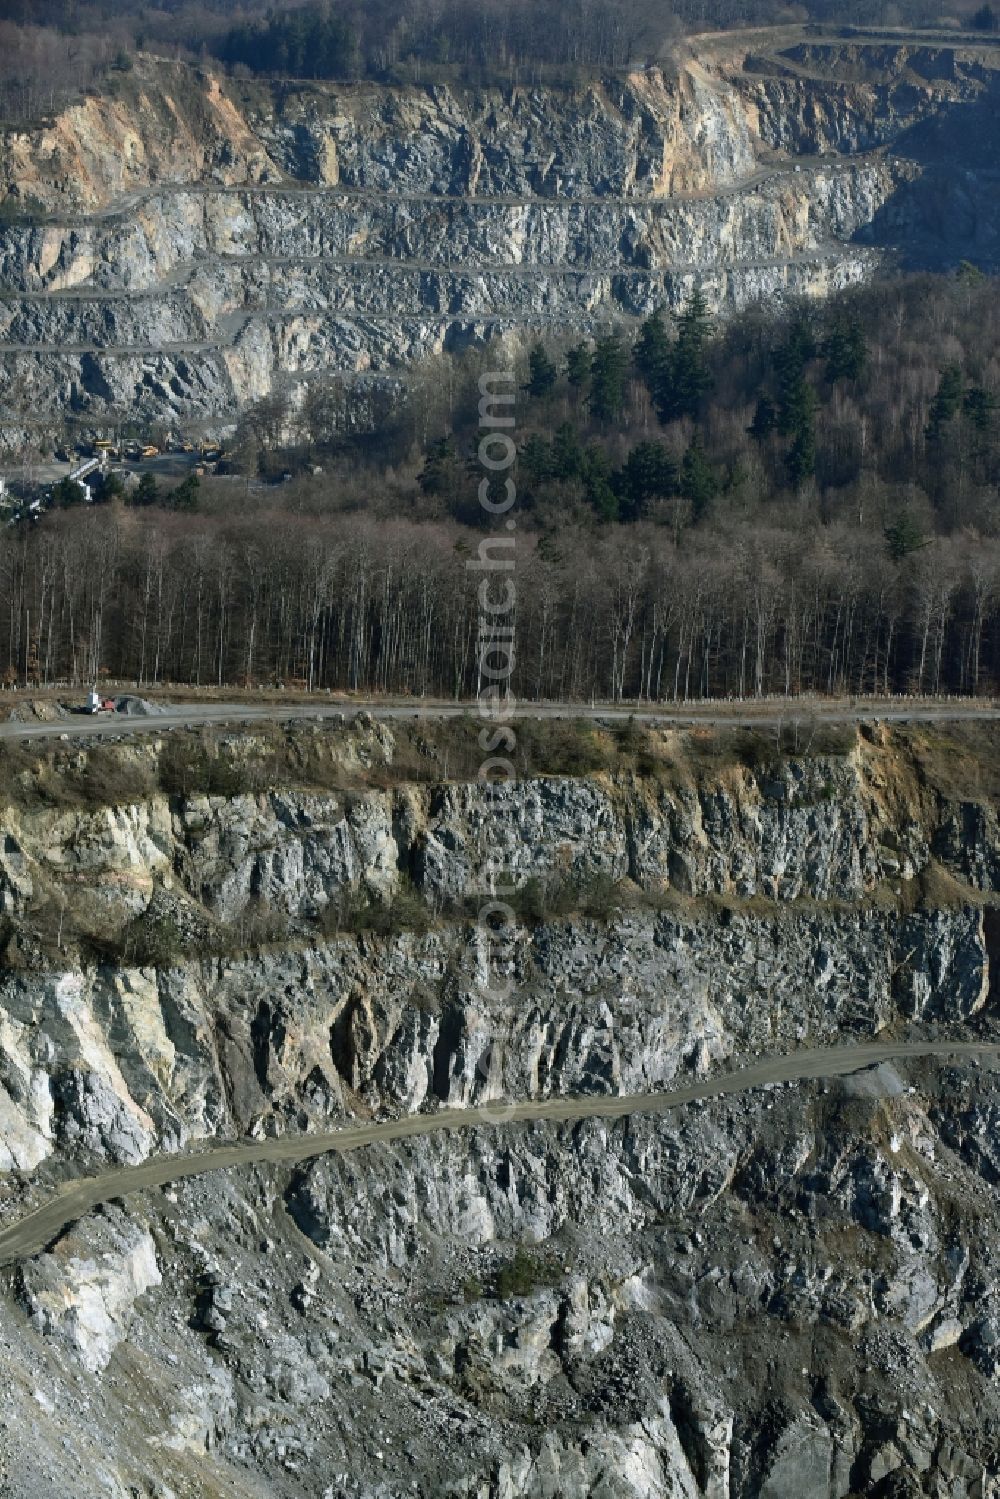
84, 1294
810, 942
193, 246
127, 1064
814, 828
791, 1291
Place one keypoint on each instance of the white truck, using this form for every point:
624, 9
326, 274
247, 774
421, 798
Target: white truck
98, 704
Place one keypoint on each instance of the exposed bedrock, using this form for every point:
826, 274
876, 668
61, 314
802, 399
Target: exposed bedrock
209, 244
762, 910
790, 1291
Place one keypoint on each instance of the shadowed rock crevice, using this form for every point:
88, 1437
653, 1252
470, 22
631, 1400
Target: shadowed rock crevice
991, 928
948, 210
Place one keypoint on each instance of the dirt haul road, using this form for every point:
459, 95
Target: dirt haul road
805, 712
32, 1233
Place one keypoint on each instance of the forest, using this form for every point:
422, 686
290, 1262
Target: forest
52, 50
784, 503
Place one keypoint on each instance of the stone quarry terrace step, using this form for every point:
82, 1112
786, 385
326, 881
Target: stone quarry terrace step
364, 229
645, 281
775, 172
31, 1234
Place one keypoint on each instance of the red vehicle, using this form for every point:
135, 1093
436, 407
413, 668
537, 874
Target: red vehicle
98, 704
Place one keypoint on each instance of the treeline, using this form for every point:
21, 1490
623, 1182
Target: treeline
491, 39
878, 408
808, 502
53, 49
348, 602
822, 420
42, 69
497, 39
141, 493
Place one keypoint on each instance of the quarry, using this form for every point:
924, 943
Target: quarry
421, 1080
788, 1287
183, 245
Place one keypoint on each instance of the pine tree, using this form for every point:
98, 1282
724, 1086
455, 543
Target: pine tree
297, 41
542, 373
800, 462
147, 492
608, 369
690, 376
796, 411
112, 488
567, 452
845, 350
536, 458
597, 483
765, 419
649, 474
904, 536
442, 470
652, 354
699, 484
791, 361
979, 407
67, 493
947, 403
578, 361
185, 496
798, 406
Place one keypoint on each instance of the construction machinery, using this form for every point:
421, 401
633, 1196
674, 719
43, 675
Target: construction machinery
98, 704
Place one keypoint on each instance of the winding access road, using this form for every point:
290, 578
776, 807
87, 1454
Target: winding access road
30, 1235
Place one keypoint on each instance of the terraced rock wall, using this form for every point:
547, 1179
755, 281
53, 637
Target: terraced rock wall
789, 1291
196, 243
